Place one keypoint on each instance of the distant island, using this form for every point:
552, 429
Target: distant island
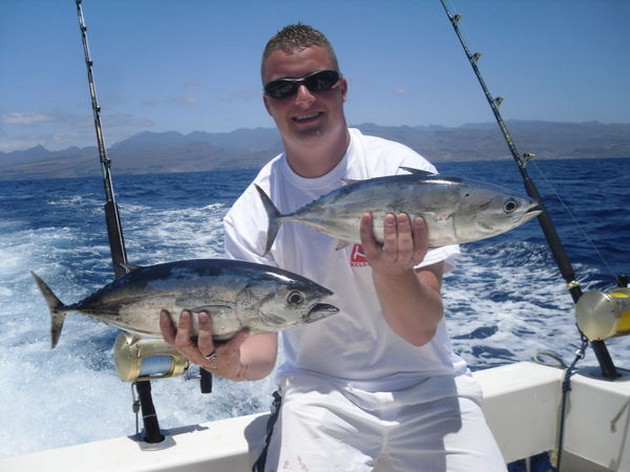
166, 152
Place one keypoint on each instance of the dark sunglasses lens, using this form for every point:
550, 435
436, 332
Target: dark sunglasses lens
318, 82
281, 88
321, 81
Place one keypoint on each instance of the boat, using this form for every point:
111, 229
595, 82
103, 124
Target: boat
541, 413
521, 403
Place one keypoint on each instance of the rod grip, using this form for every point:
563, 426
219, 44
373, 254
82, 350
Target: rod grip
152, 432
205, 381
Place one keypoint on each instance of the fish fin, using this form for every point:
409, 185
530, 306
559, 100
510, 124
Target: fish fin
417, 171
56, 307
129, 267
273, 219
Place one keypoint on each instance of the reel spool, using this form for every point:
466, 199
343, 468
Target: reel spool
602, 315
139, 359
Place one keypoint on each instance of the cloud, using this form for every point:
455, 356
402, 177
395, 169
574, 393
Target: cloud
125, 120
401, 91
244, 95
57, 131
187, 101
26, 118
19, 143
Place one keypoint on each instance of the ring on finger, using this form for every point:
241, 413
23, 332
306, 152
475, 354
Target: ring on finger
213, 356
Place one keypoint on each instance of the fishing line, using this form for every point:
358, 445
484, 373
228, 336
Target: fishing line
574, 219
525, 159
112, 215
555, 244
566, 388
558, 252
114, 229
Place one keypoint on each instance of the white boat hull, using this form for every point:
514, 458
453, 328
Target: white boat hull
521, 402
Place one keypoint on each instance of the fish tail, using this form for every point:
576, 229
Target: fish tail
273, 216
56, 307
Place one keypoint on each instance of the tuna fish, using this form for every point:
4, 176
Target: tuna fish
237, 295
455, 210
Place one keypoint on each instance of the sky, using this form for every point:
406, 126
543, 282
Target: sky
193, 65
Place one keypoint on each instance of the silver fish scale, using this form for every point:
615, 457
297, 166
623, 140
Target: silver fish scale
236, 294
455, 210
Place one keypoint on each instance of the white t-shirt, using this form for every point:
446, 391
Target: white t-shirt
356, 347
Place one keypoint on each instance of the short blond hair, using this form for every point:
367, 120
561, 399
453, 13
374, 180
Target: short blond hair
298, 36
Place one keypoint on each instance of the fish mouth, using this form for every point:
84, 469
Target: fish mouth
533, 211
319, 311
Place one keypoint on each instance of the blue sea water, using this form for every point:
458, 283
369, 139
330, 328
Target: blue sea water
505, 301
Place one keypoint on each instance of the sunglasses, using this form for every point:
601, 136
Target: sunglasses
319, 81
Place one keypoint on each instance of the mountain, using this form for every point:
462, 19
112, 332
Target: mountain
150, 152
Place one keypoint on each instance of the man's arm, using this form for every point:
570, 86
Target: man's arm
410, 299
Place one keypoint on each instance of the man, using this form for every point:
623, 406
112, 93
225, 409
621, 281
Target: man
376, 386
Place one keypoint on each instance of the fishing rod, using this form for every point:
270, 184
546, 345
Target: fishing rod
555, 244
114, 232
112, 216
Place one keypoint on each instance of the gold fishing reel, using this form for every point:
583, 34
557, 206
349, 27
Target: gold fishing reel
602, 315
139, 359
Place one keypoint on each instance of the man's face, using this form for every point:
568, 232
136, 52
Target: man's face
306, 114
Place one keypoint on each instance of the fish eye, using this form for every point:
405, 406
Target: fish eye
510, 205
295, 298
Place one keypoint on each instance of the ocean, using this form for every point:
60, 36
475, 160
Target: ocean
506, 300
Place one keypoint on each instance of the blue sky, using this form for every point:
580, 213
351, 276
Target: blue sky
193, 65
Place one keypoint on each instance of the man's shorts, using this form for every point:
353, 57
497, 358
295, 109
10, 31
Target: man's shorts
321, 427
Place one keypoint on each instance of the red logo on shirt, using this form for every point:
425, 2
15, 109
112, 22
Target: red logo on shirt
357, 257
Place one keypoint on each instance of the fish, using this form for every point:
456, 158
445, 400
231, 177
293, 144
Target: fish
236, 294
455, 210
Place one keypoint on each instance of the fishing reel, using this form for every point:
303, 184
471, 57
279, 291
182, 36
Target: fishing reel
139, 359
602, 315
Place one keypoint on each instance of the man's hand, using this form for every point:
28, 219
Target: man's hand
223, 359
405, 243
